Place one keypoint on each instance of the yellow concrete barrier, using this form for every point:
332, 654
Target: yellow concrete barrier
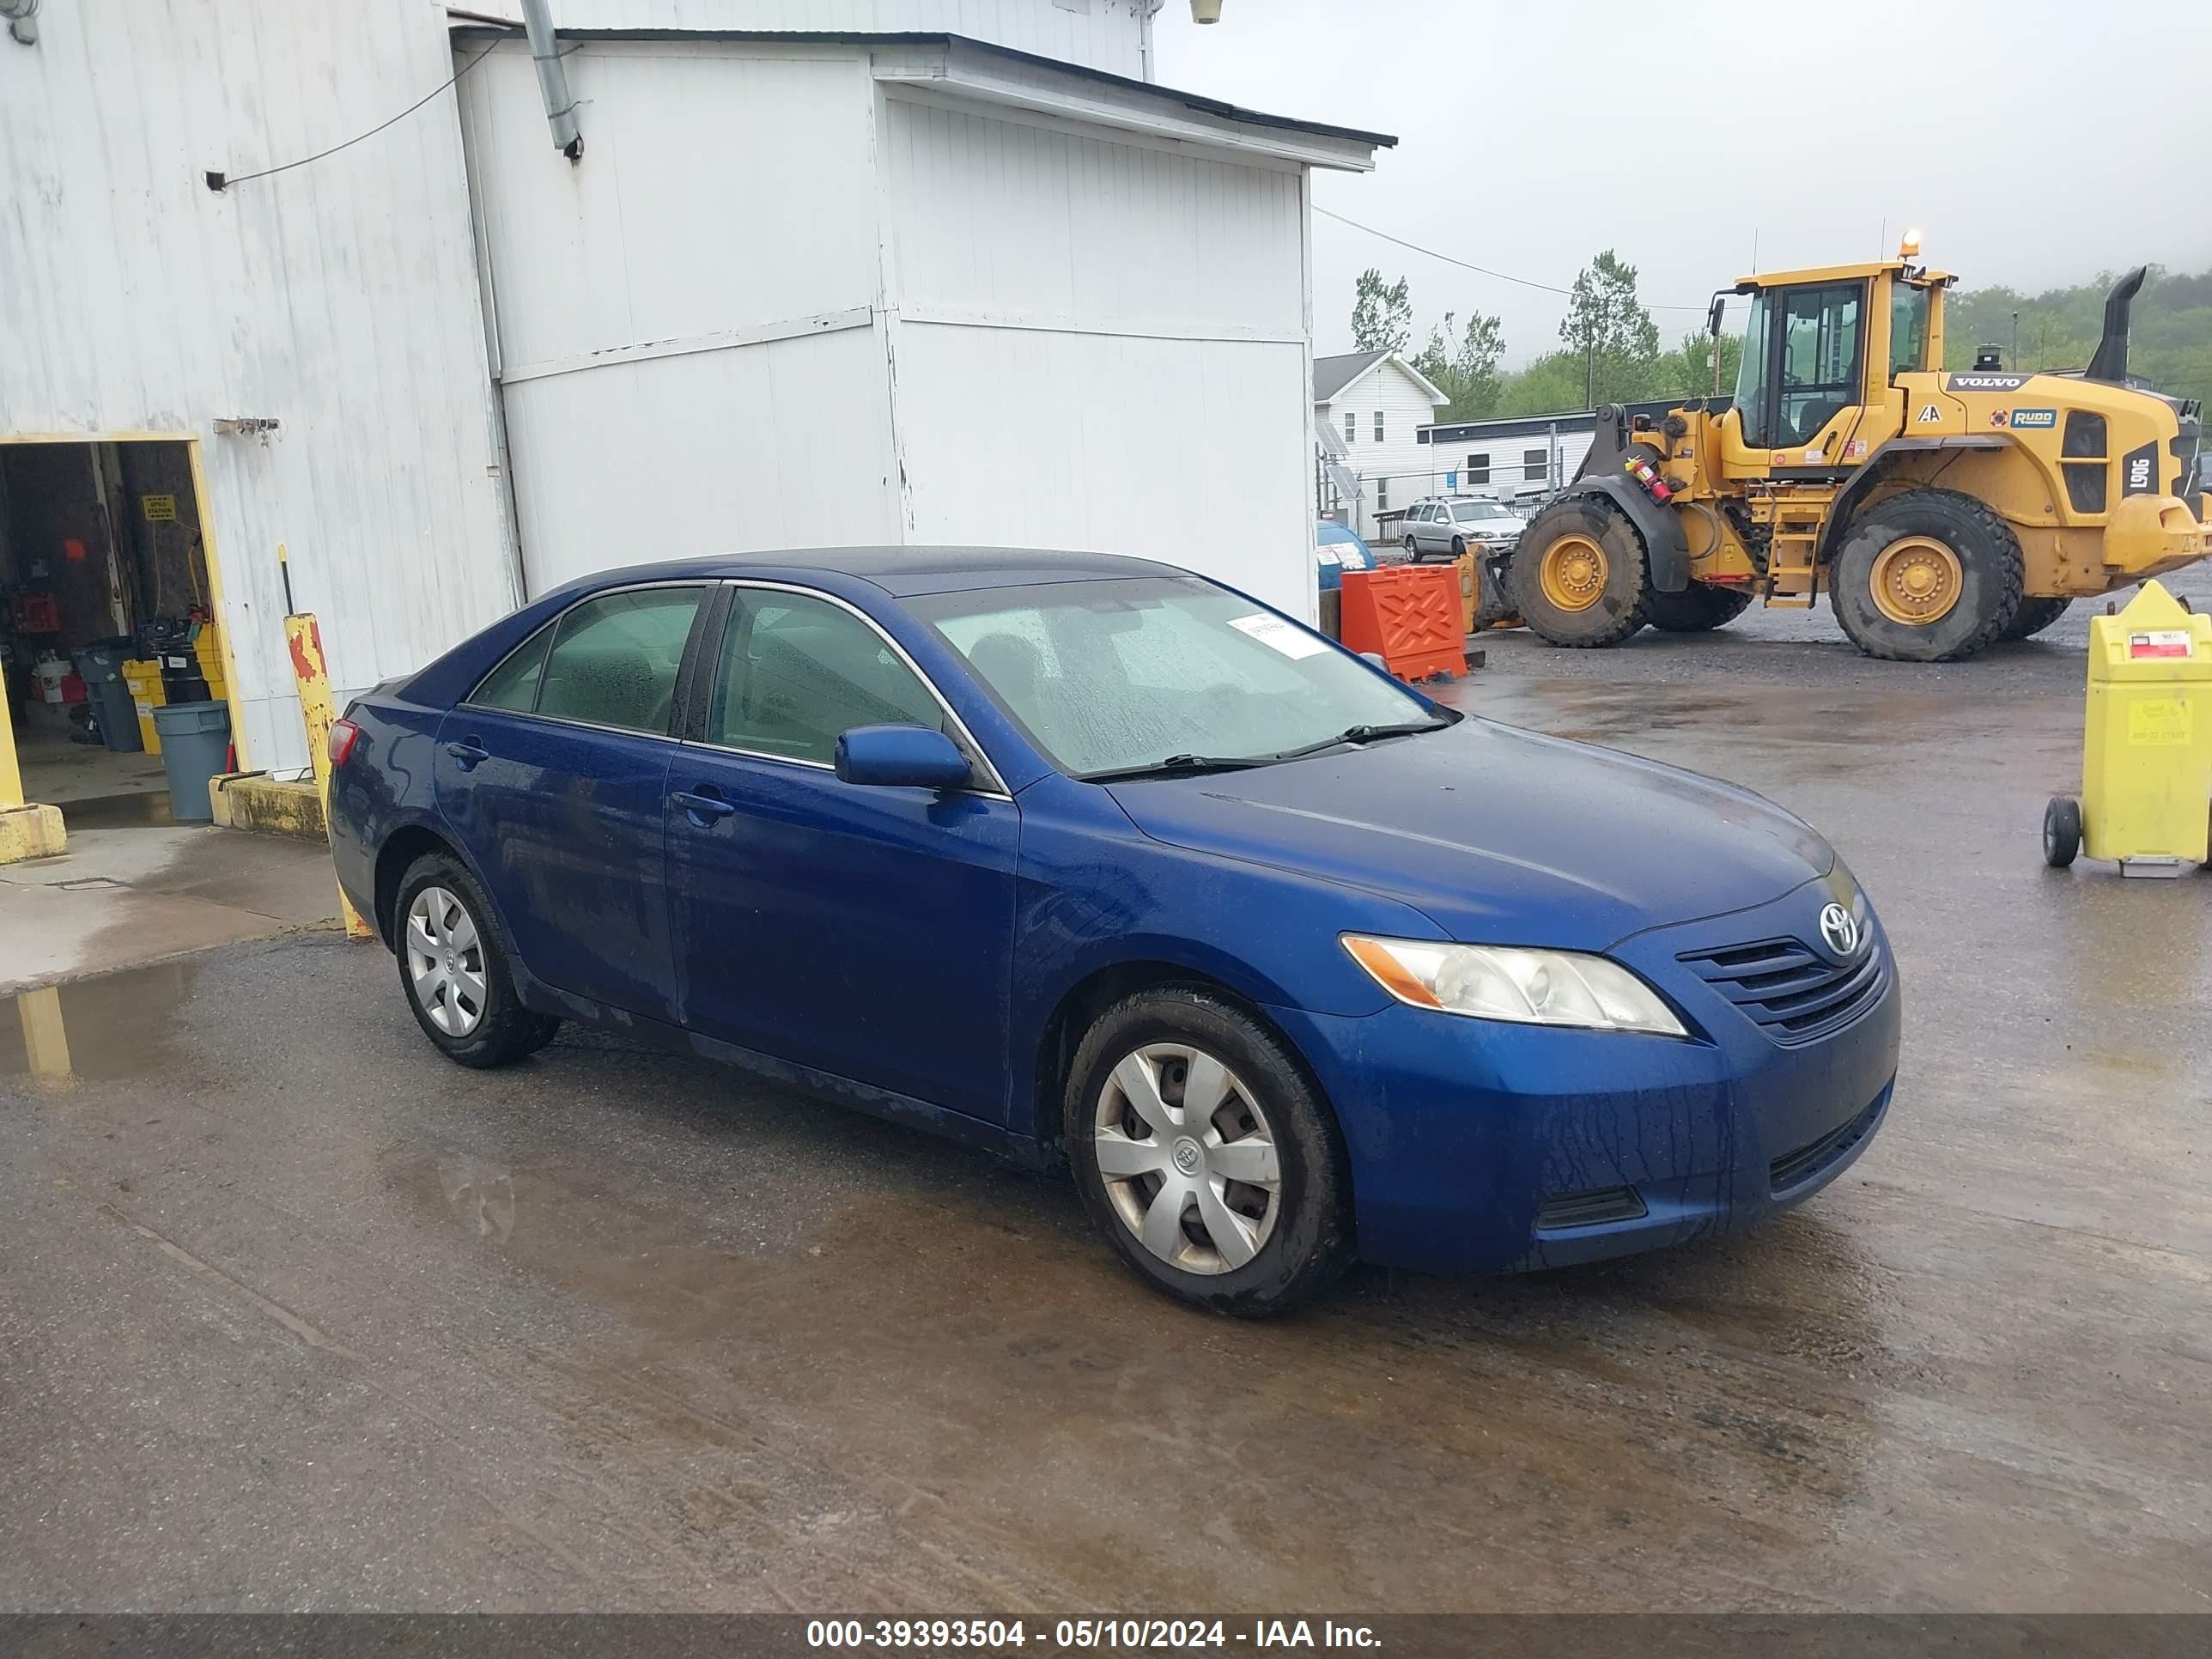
27, 831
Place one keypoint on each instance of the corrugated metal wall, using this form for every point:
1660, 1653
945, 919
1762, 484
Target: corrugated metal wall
339, 300
1103, 34
1101, 345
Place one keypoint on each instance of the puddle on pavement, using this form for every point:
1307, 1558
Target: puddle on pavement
984, 1363
118, 1025
138, 810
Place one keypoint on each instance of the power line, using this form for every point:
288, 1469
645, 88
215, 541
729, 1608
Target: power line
1468, 264
219, 181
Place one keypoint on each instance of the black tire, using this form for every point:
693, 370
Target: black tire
1991, 572
2061, 831
1696, 609
1413, 550
1617, 612
1459, 546
505, 1031
1310, 1242
2034, 616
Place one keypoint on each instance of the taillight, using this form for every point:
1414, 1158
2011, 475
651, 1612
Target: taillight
343, 735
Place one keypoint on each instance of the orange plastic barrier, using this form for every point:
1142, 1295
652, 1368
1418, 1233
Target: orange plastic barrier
1409, 615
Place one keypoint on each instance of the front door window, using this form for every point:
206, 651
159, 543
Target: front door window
1801, 362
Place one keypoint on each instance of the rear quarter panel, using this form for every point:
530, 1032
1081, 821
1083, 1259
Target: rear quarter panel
385, 786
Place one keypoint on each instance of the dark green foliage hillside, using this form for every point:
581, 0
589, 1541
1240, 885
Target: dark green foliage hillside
2170, 342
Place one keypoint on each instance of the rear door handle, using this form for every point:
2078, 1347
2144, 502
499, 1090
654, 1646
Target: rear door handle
468, 753
703, 805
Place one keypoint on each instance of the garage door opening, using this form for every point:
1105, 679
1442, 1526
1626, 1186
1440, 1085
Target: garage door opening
106, 615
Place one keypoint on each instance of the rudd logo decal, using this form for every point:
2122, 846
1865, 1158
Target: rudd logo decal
1985, 382
2041, 418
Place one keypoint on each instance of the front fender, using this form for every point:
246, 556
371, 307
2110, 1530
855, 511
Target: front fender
1665, 552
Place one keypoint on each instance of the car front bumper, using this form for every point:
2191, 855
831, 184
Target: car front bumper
1481, 1146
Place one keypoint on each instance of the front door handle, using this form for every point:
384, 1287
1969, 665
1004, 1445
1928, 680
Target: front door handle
468, 752
703, 805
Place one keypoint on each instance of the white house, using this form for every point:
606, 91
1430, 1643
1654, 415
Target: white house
314, 279
1379, 404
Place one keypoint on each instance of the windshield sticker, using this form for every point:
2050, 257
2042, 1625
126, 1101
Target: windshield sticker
1275, 633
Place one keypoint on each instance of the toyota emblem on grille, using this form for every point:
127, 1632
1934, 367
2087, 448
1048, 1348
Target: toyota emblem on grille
1840, 929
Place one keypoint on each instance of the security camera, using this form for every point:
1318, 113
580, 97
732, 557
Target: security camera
1206, 11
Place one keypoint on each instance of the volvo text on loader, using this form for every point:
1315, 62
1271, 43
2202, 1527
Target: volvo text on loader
1938, 510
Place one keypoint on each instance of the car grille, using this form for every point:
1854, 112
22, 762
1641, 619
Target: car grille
1795, 1169
1589, 1209
1796, 994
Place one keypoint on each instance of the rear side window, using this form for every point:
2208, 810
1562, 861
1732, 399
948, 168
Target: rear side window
615, 658
798, 673
514, 684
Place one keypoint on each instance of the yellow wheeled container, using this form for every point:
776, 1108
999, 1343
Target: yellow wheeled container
2146, 801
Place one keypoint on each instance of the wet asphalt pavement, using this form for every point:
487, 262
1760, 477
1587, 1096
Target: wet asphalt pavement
295, 1315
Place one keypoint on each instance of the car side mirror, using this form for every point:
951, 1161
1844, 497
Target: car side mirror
901, 756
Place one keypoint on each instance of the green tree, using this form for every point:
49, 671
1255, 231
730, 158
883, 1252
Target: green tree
1382, 316
1607, 327
1463, 363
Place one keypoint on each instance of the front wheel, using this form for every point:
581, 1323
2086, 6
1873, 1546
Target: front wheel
1578, 576
453, 966
1931, 575
1205, 1155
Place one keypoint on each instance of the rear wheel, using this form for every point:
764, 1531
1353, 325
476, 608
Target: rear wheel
1205, 1157
452, 965
1578, 577
1696, 609
2061, 831
1412, 548
2034, 616
1928, 576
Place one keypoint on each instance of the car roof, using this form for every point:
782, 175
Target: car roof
901, 571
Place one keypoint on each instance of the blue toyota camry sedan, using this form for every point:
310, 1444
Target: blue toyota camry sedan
1091, 859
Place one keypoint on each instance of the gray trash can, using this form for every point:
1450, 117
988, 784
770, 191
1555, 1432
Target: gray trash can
195, 744
101, 665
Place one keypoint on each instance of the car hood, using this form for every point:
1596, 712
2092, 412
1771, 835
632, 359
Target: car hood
1500, 835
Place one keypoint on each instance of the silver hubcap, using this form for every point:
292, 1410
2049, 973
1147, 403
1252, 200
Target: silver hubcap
445, 960
1187, 1158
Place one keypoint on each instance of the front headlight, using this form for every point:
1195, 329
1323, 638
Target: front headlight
1496, 982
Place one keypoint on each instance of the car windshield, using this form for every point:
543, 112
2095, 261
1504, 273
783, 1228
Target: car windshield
1132, 673
1479, 512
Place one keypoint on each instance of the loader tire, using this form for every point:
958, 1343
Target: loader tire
1578, 577
1696, 609
1931, 575
2034, 616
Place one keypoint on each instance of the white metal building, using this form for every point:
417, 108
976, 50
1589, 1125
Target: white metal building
1511, 458
1377, 404
827, 271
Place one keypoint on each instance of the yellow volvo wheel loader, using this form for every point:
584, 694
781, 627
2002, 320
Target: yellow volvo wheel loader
1938, 510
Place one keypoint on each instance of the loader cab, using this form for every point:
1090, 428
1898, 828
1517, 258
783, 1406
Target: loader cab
1822, 353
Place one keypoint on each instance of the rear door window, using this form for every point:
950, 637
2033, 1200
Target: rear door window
615, 658
513, 685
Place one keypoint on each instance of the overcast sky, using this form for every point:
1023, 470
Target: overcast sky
2035, 141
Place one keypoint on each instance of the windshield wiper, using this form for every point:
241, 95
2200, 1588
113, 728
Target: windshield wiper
1361, 734
1179, 766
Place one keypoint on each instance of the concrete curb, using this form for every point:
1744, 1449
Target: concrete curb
256, 801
